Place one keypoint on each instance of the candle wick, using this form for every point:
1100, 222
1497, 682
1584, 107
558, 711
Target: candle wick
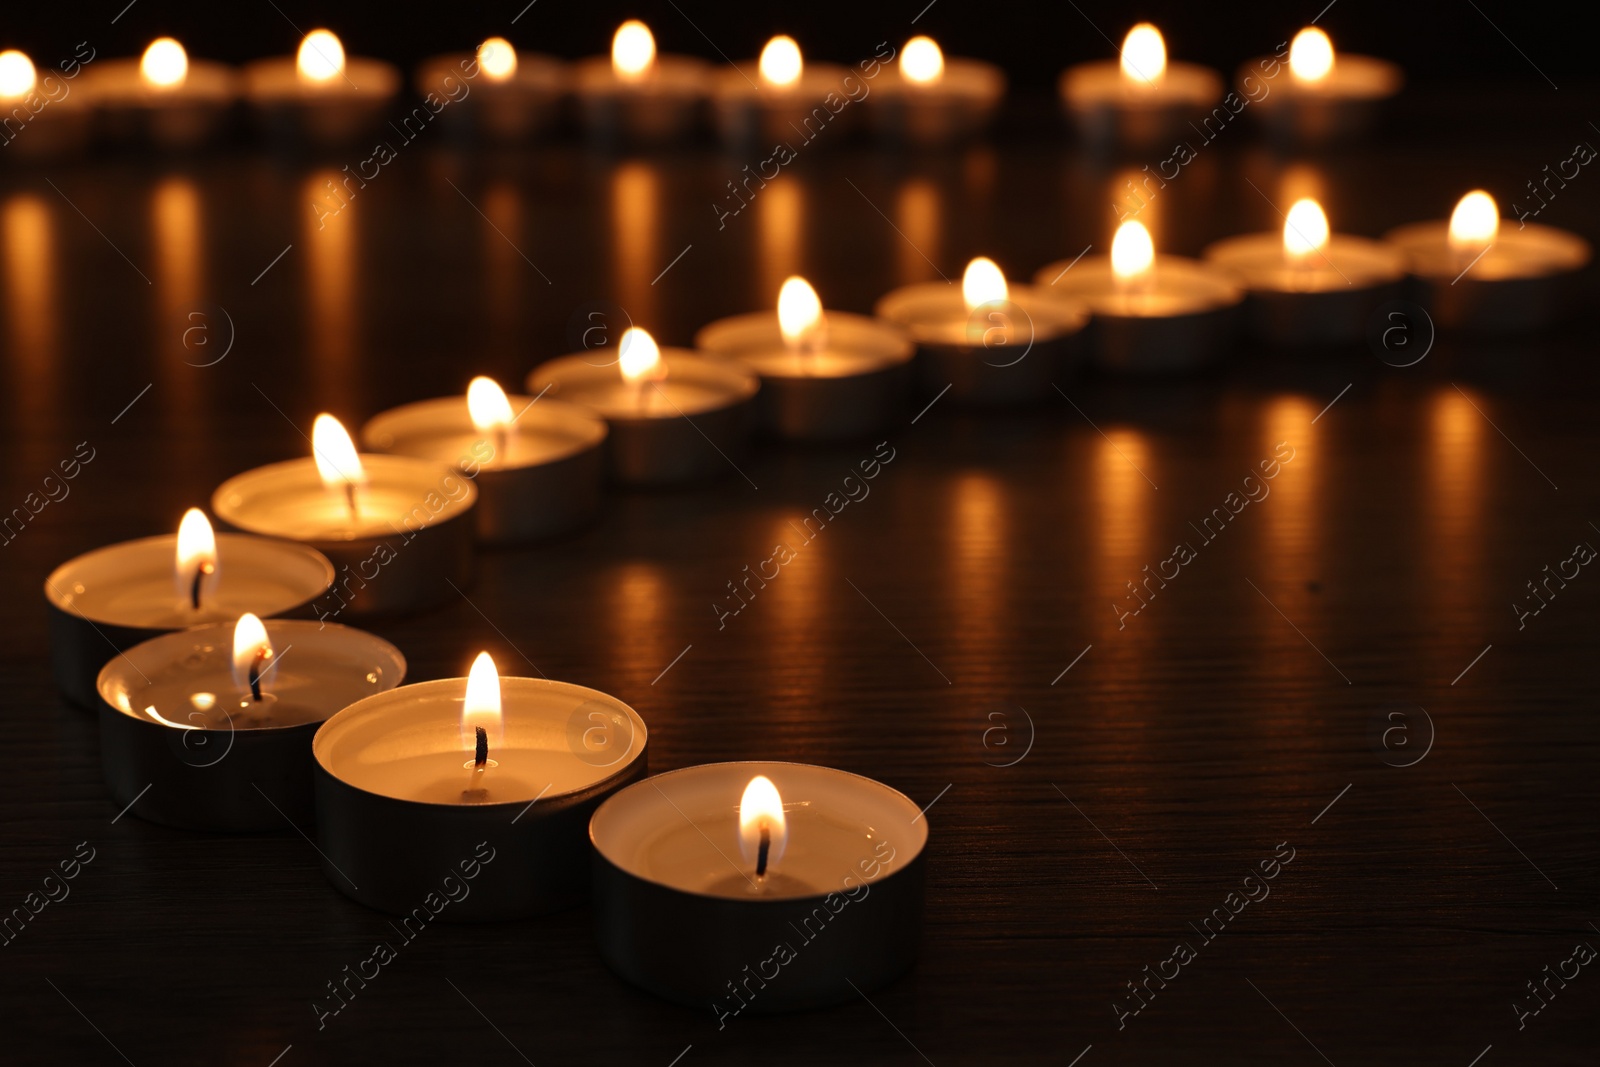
350, 500
201, 572
255, 673
762, 852
480, 757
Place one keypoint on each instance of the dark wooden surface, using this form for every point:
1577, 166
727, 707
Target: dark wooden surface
1220, 722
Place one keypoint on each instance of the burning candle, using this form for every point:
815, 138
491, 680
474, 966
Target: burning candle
1140, 99
398, 529
1327, 97
113, 598
708, 874
210, 728
538, 463
824, 375
1472, 273
163, 97
1152, 314
674, 416
496, 94
930, 99
779, 97
320, 95
411, 781
637, 95
1306, 286
988, 341
45, 120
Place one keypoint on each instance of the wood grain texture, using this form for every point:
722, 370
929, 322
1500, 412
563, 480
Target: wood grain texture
1171, 758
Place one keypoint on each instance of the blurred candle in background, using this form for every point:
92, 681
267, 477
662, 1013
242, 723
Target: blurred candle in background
636, 237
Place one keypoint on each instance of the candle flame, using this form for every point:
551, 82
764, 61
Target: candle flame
1474, 223
1132, 252
1305, 231
488, 405
781, 63
762, 808
165, 64
983, 284
633, 51
1144, 55
335, 453
1310, 56
921, 62
321, 57
197, 553
799, 312
497, 58
639, 357
17, 76
482, 705
251, 648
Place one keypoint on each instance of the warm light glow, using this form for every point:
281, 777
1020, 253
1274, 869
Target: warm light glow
335, 453
799, 312
762, 808
1132, 251
638, 356
1305, 231
497, 58
1474, 223
983, 284
16, 74
633, 51
165, 64
921, 62
488, 405
482, 705
321, 57
781, 63
1144, 55
1310, 56
197, 552
250, 649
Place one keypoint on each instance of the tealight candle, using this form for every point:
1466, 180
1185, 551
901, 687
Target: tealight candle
411, 782
1152, 314
760, 886
636, 95
510, 95
164, 96
1139, 100
1475, 274
928, 99
42, 121
1306, 286
113, 598
320, 95
398, 529
777, 97
824, 376
211, 728
1327, 97
989, 341
538, 463
674, 416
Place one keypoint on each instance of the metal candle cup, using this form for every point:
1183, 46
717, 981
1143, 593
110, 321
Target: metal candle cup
107, 601
184, 745
660, 107
1522, 282
411, 538
180, 116
340, 110
1176, 319
748, 110
853, 384
1109, 111
1328, 298
515, 108
398, 805
838, 914
1003, 352
1339, 107
956, 107
687, 427
547, 481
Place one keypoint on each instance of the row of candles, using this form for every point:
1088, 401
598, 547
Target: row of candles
212, 719
915, 94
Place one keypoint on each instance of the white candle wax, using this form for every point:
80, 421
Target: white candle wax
692, 385
542, 431
935, 313
852, 345
289, 499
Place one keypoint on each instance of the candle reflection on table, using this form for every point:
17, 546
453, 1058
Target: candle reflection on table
637, 602
780, 222
1122, 546
506, 273
636, 238
979, 531
1288, 567
185, 336
917, 217
1453, 521
333, 341
28, 226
